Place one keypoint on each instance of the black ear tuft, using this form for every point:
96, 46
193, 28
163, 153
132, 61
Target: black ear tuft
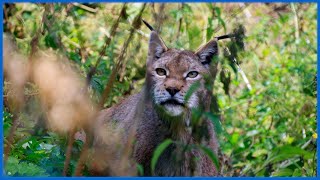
148, 25
207, 52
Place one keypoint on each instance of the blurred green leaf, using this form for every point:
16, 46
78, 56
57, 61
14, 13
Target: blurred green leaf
215, 120
191, 90
140, 169
211, 155
158, 151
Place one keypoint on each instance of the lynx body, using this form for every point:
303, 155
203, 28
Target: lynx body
161, 111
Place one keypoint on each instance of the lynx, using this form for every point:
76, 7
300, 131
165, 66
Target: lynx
158, 112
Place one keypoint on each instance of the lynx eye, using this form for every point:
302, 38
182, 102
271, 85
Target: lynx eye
161, 72
192, 74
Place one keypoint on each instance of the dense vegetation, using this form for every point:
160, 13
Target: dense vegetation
267, 126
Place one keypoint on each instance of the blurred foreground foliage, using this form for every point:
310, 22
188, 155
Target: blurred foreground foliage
269, 130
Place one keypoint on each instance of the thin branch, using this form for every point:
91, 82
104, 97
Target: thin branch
6, 18
35, 40
179, 23
84, 152
89, 137
34, 43
83, 155
270, 126
7, 149
296, 22
158, 17
123, 67
135, 25
232, 17
102, 53
68, 152
244, 77
89, 9
57, 37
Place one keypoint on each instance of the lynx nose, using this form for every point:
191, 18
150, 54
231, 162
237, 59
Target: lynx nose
172, 91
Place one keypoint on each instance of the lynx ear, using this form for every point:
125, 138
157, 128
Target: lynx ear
207, 52
156, 46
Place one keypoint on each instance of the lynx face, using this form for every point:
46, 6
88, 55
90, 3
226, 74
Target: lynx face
171, 72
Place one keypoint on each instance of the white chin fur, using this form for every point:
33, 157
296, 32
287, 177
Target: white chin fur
173, 110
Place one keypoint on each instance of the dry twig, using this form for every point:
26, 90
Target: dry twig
34, 44
135, 25
68, 152
102, 53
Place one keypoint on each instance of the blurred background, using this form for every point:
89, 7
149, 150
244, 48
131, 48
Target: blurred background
267, 123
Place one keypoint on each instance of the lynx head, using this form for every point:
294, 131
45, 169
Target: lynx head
171, 72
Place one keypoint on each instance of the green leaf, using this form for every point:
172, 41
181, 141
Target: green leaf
211, 155
196, 114
234, 138
297, 172
16, 168
140, 170
286, 152
283, 172
191, 90
159, 150
50, 40
215, 120
193, 35
220, 20
209, 28
259, 152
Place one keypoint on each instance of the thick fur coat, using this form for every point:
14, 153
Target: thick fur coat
161, 111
